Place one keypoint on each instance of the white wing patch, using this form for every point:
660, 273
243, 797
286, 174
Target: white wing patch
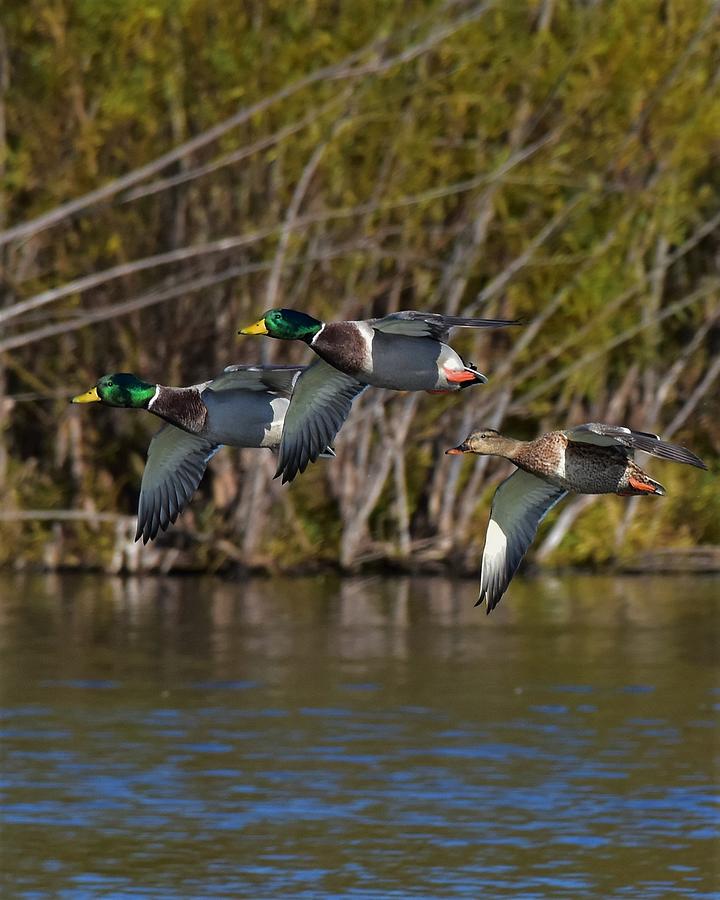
495, 549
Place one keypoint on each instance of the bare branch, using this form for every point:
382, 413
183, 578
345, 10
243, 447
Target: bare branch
579, 336
347, 69
670, 310
157, 295
498, 283
692, 401
290, 219
228, 159
62, 515
227, 244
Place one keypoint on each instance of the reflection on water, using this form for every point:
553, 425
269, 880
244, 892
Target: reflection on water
367, 738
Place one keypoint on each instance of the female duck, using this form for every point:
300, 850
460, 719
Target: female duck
405, 351
588, 459
245, 406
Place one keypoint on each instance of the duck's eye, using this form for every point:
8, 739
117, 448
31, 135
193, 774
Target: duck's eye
110, 384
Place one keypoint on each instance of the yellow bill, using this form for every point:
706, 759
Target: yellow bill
90, 396
258, 327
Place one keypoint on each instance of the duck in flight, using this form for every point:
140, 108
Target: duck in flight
245, 406
587, 459
404, 351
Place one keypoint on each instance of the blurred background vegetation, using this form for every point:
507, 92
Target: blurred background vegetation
171, 168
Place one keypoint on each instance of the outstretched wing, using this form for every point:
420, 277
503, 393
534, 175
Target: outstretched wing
431, 325
257, 378
320, 403
520, 504
176, 461
617, 435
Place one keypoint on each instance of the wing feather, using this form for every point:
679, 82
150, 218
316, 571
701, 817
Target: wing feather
618, 435
176, 462
520, 504
256, 378
320, 403
412, 323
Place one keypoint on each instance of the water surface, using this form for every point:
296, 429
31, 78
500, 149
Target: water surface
370, 738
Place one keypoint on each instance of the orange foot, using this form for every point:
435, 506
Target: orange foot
459, 376
641, 486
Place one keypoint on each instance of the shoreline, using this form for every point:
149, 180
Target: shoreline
665, 561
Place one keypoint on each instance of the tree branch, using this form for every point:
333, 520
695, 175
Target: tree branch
347, 69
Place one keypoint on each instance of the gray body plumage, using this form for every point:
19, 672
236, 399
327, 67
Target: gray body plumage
245, 406
242, 418
404, 351
403, 363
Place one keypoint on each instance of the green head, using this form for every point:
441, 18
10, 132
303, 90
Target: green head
285, 324
120, 389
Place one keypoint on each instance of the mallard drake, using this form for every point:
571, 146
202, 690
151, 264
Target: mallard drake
245, 406
405, 351
588, 459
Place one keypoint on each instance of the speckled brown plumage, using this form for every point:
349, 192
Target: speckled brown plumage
542, 456
580, 467
593, 458
590, 459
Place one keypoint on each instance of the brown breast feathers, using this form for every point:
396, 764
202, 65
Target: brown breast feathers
342, 345
542, 456
183, 407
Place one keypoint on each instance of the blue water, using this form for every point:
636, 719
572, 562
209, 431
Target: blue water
371, 739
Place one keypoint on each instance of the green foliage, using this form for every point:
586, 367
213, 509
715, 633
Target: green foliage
444, 157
